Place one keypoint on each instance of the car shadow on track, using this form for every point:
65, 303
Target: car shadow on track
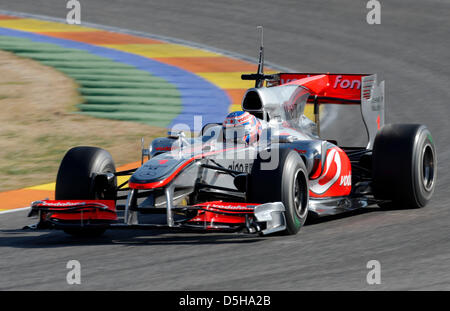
315, 220
19, 238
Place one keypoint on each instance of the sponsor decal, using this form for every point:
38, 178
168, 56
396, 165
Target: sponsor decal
240, 167
336, 178
347, 86
231, 207
346, 83
167, 148
346, 180
69, 204
336, 81
321, 185
61, 204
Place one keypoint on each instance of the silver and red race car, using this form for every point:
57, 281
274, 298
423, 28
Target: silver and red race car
262, 170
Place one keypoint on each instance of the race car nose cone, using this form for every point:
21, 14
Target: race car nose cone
154, 170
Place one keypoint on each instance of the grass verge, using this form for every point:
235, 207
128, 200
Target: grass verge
39, 123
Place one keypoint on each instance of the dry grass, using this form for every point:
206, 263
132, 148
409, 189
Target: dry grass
38, 124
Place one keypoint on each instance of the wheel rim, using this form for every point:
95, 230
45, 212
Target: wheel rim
101, 194
300, 194
428, 168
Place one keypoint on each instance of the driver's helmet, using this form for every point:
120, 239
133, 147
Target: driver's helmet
241, 127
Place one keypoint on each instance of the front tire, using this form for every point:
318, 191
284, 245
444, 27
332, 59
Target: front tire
286, 183
404, 166
75, 180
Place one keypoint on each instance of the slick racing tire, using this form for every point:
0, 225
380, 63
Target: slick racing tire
75, 180
404, 166
286, 182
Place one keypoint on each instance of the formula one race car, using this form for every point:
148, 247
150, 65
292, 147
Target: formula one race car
262, 170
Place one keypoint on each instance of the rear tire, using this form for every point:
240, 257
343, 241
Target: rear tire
75, 180
404, 166
287, 183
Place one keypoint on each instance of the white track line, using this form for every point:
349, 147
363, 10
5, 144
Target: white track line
15, 210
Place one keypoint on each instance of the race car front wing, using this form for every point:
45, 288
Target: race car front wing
217, 216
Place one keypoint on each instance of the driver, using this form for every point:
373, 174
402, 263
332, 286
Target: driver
241, 127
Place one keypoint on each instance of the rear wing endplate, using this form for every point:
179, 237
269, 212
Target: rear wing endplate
372, 106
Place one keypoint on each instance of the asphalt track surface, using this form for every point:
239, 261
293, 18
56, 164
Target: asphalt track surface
410, 50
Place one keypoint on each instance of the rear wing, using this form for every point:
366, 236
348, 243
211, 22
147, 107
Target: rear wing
340, 86
344, 89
